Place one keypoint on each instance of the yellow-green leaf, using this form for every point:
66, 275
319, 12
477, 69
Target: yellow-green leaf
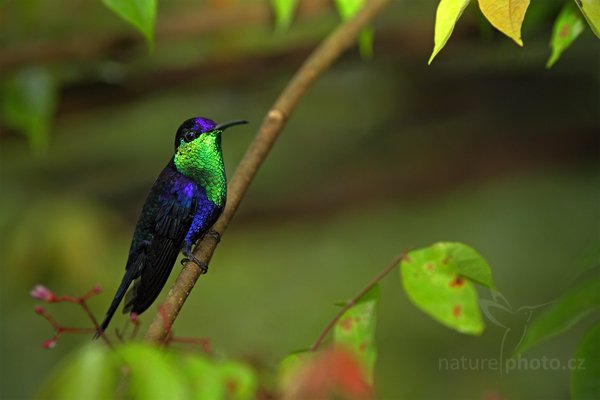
203, 376
506, 16
567, 27
284, 13
239, 380
92, 373
356, 330
347, 9
139, 13
153, 374
439, 280
288, 366
591, 12
447, 14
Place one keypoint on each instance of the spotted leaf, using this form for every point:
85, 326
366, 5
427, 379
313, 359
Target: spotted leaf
439, 280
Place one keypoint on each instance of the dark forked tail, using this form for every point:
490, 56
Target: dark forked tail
127, 279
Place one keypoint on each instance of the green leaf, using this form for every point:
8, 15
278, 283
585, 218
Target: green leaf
204, 378
292, 361
210, 381
91, 373
152, 373
239, 380
347, 10
366, 37
139, 13
506, 16
439, 280
584, 377
356, 330
28, 104
563, 314
591, 12
469, 262
284, 13
446, 16
567, 27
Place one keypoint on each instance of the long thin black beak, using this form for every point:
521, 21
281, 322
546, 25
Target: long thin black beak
225, 125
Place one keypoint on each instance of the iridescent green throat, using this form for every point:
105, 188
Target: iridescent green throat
202, 161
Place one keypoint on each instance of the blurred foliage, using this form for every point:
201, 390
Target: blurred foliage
355, 330
284, 13
330, 374
83, 237
584, 379
347, 9
136, 370
564, 313
28, 104
484, 147
139, 13
347, 368
567, 27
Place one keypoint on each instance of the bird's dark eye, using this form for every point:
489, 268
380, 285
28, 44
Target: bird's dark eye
189, 136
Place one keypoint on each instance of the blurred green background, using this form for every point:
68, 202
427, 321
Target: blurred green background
485, 147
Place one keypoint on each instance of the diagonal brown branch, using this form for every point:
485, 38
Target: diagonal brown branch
318, 62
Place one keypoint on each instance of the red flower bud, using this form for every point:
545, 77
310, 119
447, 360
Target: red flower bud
50, 344
134, 317
39, 309
41, 292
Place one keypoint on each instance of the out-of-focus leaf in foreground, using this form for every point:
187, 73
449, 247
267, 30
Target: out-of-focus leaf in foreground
356, 330
332, 373
140, 370
91, 373
152, 373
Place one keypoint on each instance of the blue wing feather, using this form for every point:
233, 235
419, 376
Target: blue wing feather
160, 231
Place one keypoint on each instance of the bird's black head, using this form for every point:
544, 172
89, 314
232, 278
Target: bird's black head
192, 128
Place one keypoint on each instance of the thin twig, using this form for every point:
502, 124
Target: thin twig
354, 299
41, 292
321, 58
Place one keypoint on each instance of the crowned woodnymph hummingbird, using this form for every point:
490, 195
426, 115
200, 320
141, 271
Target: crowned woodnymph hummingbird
183, 204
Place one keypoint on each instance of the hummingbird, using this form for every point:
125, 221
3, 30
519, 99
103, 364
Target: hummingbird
185, 201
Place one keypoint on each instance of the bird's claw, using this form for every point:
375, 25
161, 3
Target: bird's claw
215, 235
190, 258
